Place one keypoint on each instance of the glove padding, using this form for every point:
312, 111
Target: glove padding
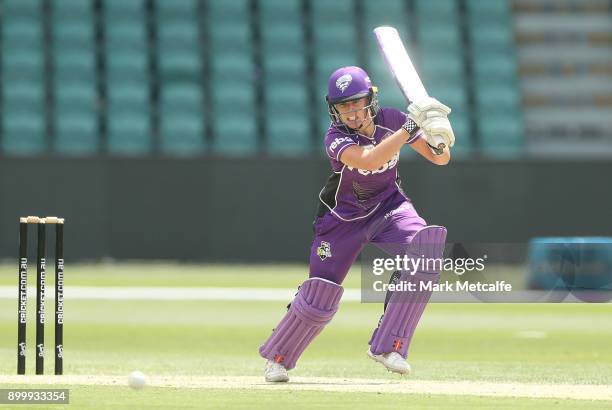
418, 110
437, 125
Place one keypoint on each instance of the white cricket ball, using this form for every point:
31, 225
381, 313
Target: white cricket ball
137, 380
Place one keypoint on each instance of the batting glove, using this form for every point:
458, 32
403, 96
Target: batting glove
438, 125
419, 111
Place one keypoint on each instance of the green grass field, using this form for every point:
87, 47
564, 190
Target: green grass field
564, 344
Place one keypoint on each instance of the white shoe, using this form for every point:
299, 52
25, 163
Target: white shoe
393, 361
275, 372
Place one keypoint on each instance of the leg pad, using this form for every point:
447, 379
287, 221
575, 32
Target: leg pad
404, 309
314, 306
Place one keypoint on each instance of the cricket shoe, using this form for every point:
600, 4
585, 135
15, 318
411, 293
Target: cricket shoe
393, 361
275, 372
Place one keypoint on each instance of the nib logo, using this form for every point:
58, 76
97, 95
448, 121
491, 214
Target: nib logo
41, 350
60, 351
22, 349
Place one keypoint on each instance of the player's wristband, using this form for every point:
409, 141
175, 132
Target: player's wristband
412, 128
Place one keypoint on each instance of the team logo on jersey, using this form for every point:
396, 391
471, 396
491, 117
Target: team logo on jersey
343, 82
324, 250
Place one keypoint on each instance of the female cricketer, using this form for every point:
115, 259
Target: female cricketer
362, 203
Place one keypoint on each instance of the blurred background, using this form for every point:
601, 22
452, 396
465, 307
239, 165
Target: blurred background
192, 129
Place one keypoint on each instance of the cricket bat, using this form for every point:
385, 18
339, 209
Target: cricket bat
399, 63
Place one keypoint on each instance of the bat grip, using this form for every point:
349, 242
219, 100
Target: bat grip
438, 149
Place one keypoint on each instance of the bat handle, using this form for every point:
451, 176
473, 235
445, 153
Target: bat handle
438, 149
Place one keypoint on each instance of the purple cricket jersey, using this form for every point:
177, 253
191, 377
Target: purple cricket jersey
351, 194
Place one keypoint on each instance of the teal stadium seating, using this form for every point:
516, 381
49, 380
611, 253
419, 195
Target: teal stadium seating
74, 83
22, 78
181, 105
441, 62
443, 9
127, 78
232, 77
285, 86
335, 45
161, 59
495, 78
384, 13
286, 105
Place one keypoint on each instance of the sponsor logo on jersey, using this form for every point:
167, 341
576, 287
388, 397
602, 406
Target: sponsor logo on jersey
392, 163
338, 141
343, 82
324, 250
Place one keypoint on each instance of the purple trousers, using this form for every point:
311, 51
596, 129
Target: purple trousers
337, 243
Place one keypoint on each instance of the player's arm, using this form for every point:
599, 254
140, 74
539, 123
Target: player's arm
374, 158
421, 146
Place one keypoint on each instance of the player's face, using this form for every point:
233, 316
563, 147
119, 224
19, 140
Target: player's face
353, 113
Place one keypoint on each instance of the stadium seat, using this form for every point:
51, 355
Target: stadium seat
463, 134
129, 132
282, 37
125, 67
389, 94
233, 36
22, 66
492, 36
182, 132
495, 77
23, 33
290, 96
441, 67
383, 13
223, 10
277, 11
501, 134
75, 63
124, 10
232, 78
487, 9
127, 78
439, 37
235, 136
452, 94
288, 134
284, 63
287, 103
72, 33
23, 132
494, 66
23, 94
439, 9
126, 35
17, 8
74, 82
495, 94
76, 132
178, 34
178, 65
71, 10
232, 66
22, 71
181, 118
323, 120
284, 67
177, 9
330, 55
